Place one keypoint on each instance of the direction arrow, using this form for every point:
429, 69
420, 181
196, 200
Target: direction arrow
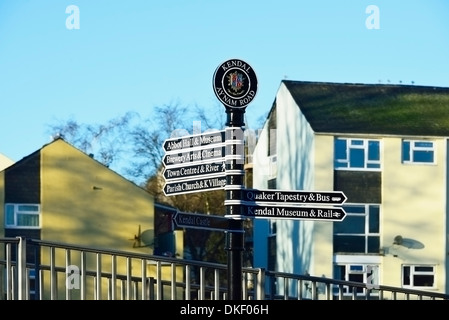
197, 170
198, 140
195, 185
217, 153
297, 213
200, 221
297, 197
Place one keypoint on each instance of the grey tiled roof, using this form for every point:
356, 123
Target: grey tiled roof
373, 108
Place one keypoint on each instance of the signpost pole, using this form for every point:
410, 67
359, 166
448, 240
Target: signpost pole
235, 85
234, 210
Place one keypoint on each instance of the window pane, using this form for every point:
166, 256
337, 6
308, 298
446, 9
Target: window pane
424, 144
423, 281
351, 224
340, 272
349, 244
355, 209
373, 150
357, 158
373, 244
373, 219
406, 276
28, 220
357, 142
423, 156
406, 151
340, 149
423, 269
356, 268
25, 207
9, 214
356, 278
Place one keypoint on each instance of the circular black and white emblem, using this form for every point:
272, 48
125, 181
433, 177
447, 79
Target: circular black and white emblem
235, 83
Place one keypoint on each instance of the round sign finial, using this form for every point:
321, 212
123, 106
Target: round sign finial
235, 83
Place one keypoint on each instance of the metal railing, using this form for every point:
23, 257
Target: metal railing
42, 270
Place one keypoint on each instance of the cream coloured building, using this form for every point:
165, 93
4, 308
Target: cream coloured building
386, 148
5, 161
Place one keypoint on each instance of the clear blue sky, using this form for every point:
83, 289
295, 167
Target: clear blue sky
138, 54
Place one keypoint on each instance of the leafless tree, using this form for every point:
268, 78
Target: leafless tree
132, 145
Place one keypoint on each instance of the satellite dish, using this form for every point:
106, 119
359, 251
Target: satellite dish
398, 240
143, 239
147, 238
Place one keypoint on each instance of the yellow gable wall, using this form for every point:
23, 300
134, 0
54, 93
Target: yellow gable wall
84, 202
323, 230
414, 207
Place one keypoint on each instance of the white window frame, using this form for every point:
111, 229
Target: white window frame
366, 234
368, 165
414, 147
414, 272
19, 209
369, 273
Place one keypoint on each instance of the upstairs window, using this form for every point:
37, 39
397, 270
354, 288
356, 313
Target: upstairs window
359, 232
22, 216
357, 154
418, 152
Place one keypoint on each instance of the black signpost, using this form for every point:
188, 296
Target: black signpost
194, 163
194, 185
216, 153
202, 169
294, 196
215, 160
200, 221
235, 85
194, 141
295, 212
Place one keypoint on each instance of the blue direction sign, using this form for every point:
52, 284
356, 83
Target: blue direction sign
195, 185
296, 213
200, 221
194, 171
294, 197
187, 157
193, 141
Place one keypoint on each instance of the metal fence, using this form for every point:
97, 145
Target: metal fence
42, 270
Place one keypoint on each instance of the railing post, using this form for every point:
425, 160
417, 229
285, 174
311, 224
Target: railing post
22, 269
53, 275
188, 284
260, 284
9, 273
